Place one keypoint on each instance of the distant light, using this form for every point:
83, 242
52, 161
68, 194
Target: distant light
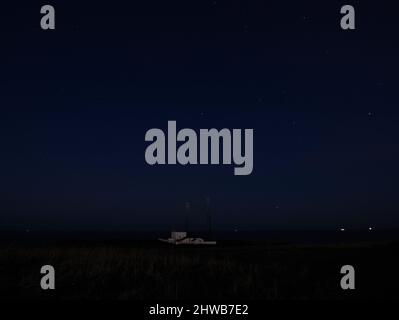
342, 229
370, 228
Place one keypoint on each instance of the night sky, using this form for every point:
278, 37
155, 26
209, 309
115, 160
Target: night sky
76, 103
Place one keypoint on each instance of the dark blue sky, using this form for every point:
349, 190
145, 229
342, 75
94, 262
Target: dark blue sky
76, 103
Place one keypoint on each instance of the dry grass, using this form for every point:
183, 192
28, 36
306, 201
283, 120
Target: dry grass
162, 272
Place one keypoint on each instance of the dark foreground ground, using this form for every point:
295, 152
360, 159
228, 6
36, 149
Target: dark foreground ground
151, 270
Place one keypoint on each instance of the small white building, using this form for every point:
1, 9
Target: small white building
178, 238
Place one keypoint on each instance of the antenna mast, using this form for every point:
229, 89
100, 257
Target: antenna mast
188, 207
208, 214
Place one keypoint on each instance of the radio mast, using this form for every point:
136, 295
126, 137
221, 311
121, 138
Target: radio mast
208, 214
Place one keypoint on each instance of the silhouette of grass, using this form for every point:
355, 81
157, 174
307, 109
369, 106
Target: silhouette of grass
153, 271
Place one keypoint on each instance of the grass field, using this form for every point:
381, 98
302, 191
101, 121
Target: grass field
154, 271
